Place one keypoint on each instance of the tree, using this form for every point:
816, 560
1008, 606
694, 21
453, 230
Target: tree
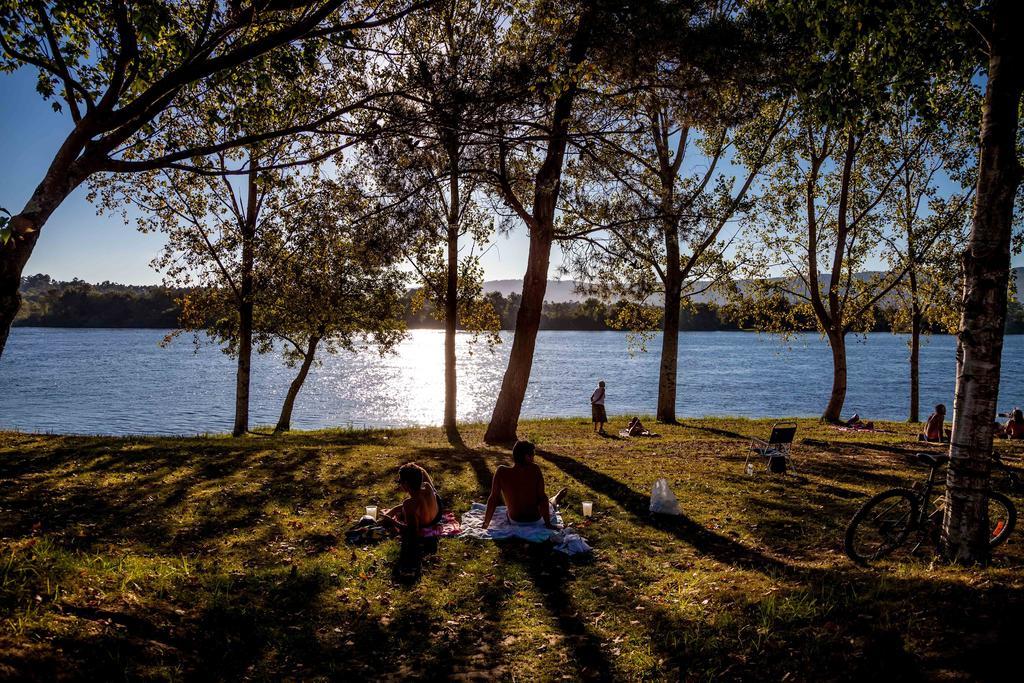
223, 238
118, 66
820, 217
986, 265
929, 224
906, 44
532, 158
572, 46
644, 225
443, 68
335, 285
223, 232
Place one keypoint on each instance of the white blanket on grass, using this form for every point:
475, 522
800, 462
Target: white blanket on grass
566, 539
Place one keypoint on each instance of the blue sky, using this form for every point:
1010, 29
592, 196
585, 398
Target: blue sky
75, 242
78, 243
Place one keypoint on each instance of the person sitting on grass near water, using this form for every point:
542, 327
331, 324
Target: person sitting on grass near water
636, 428
423, 507
934, 430
598, 415
1014, 427
522, 488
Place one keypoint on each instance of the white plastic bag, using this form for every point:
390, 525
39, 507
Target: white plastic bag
663, 501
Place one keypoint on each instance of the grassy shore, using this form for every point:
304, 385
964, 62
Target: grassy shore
215, 558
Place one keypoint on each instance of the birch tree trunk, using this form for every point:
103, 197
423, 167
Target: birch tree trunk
986, 273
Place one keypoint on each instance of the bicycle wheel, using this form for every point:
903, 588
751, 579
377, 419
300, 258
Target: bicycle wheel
881, 525
1002, 518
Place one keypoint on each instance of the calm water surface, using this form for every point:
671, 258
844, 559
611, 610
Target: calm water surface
121, 382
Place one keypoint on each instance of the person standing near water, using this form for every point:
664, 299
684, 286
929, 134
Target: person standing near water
597, 412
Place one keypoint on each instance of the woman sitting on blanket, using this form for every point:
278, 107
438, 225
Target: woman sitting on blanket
422, 508
635, 427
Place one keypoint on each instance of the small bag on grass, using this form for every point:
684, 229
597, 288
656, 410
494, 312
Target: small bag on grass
366, 532
663, 501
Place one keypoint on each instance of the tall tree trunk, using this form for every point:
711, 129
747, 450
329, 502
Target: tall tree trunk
451, 302
505, 418
547, 184
915, 358
284, 422
986, 273
243, 372
451, 310
837, 342
667, 377
61, 179
916, 316
245, 308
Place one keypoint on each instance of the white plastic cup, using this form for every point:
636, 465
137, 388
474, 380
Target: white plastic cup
588, 508
371, 511
750, 469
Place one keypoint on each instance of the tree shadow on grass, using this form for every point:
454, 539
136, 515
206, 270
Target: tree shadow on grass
853, 471
550, 572
721, 548
142, 499
713, 430
842, 447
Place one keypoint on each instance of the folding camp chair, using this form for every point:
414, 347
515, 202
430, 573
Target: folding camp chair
777, 451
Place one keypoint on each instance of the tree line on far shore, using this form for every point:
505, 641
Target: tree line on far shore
80, 304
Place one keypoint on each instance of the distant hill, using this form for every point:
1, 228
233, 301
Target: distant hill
558, 291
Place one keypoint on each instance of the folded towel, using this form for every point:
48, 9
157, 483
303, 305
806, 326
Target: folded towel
501, 527
446, 528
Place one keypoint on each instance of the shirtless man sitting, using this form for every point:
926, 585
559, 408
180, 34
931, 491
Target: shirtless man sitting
522, 487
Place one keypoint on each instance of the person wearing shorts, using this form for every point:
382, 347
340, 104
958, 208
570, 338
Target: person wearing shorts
597, 412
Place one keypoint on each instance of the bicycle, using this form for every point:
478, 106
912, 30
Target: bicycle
884, 523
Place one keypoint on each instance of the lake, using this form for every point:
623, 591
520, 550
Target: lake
103, 381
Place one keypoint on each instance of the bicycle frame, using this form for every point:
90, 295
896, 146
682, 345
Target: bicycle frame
923, 498
883, 515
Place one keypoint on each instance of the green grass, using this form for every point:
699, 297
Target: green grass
214, 558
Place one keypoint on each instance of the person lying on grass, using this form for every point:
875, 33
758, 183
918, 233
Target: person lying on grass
422, 508
856, 423
522, 488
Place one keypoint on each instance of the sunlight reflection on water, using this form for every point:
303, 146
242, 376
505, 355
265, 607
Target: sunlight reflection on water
120, 381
